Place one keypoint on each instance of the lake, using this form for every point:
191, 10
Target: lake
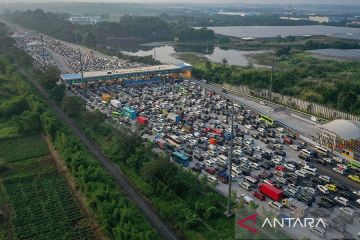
168, 54
274, 31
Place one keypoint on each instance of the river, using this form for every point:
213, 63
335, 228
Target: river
170, 54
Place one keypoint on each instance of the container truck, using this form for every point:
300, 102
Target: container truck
142, 120
129, 112
115, 103
106, 97
271, 191
174, 117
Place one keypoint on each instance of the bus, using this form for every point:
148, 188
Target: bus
180, 158
267, 120
354, 165
116, 114
173, 140
321, 150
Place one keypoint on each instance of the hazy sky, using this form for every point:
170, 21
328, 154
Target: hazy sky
340, 2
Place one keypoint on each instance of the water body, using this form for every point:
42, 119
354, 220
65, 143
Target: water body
340, 54
167, 54
275, 31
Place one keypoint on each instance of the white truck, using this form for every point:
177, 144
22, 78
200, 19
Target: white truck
115, 103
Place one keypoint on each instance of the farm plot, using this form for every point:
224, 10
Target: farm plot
16, 149
42, 207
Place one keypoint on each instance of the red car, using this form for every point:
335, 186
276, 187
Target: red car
280, 168
259, 195
210, 170
288, 140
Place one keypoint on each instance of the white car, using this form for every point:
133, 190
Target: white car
257, 148
248, 126
212, 179
325, 178
275, 205
238, 152
263, 103
209, 163
280, 129
290, 166
295, 147
301, 173
338, 159
358, 201
277, 161
254, 165
323, 189
357, 193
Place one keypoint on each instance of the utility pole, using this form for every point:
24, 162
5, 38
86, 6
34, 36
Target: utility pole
154, 53
229, 212
271, 76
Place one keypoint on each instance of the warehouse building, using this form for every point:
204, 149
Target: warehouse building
342, 136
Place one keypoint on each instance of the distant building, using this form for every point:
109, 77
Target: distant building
342, 136
357, 23
83, 20
319, 19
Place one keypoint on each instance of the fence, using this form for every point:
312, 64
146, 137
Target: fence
301, 105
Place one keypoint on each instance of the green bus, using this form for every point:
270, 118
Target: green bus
354, 165
116, 114
270, 122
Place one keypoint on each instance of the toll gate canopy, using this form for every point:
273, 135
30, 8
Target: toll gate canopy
129, 75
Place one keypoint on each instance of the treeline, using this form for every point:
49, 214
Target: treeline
312, 45
330, 83
23, 109
134, 29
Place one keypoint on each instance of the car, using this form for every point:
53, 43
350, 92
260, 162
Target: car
346, 194
357, 193
265, 165
280, 129
295, 147
266, 175
310, 190
275, 205
281, 180
212, 179
338, 159
279, 168
210, 170
276, 161
355, 178
289, 166
295, 187
341, 200
291, 193
257, 148
280, 153
331, 187
325, 178
196, 169
323, 189
324, 204
358, 201
259, 195
301, 173
254, 165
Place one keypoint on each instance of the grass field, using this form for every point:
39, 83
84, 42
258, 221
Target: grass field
41, 203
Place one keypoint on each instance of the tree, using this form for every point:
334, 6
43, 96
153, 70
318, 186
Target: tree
72, 106
58, 92
49, 77
346, 100
224, 61
90, 40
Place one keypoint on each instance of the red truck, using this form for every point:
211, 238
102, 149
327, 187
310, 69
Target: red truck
142, 120
271, 191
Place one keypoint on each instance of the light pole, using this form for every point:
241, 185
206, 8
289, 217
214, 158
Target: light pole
229, 212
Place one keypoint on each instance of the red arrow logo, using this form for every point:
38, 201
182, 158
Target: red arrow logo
249, 218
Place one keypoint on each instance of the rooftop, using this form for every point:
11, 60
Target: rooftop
344, 128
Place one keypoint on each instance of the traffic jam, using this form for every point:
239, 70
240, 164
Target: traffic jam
270, 165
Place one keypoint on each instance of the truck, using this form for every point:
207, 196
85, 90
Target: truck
106, 97
142, 120
115, 103
129, 112
271, 191
174, 117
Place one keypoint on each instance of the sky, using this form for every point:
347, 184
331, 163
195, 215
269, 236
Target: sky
340, 2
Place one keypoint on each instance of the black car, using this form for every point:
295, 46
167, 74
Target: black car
328, 199
253, 159
265, 165
265, 175
322, 161
347, 195
324, 204
280, 153
196, 169
342, 187
266, 156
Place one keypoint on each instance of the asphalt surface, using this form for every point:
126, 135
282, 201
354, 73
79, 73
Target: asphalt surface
143, 204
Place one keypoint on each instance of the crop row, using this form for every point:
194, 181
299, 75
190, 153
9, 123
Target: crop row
16, 149
44, 208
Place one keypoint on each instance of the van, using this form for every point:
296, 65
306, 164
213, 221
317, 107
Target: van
251, 180
318, 231
223, 159
245, 185
347, 211
309, 170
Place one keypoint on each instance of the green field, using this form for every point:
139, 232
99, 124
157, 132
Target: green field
41, 205
16, 149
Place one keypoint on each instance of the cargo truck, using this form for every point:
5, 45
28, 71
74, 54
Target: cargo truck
174, 117
271, 191
115, 103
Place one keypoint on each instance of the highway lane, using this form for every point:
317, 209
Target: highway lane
165, 231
